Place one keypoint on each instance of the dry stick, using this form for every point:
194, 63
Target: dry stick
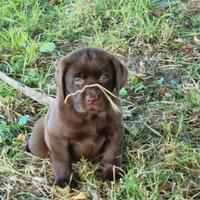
104, 90
45, 99
37, 96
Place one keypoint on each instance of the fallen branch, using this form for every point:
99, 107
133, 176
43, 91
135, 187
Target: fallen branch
37, 96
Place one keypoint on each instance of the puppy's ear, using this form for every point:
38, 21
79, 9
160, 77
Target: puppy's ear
61, 69
121, 73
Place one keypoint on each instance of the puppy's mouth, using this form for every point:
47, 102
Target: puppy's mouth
94, 108
94, 111
81, 106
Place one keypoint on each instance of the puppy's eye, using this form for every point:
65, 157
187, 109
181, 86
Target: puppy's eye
79, 78
103, 78
79, 75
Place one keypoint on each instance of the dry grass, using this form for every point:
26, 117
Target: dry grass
159, 41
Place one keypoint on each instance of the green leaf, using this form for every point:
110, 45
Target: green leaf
139, 87
32, 73
134, 80
1, 129
123, 92
164, 3
47, 47
161, 81
174, 82
22, 121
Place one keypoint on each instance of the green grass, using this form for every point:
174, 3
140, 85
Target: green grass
159, 41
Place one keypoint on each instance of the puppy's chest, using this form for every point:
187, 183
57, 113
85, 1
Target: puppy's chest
90, 128
89, 133
89, 141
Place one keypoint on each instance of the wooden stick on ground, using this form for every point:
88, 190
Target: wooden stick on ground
37, 96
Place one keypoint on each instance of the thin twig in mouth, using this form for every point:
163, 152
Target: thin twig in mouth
103, 89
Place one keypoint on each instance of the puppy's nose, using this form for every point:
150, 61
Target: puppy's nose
91, 99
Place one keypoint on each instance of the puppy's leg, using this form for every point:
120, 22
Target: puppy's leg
111, 157
36, 143
61, 160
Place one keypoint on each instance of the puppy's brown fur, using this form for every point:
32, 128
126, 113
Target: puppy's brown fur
87, 126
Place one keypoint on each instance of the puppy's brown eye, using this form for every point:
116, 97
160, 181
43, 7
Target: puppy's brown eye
103, 78
79, 75
78, 81
79, 78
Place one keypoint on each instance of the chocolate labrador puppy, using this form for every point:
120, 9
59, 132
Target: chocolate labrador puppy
87, 126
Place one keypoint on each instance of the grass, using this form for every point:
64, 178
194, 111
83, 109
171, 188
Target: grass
159, 41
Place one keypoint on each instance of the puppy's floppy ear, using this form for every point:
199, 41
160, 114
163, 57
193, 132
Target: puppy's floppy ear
61, 69
121, 73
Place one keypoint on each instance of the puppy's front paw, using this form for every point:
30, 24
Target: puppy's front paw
65, 182
111, 173
62, 182
27, 147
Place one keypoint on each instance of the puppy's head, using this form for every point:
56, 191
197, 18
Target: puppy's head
88, 66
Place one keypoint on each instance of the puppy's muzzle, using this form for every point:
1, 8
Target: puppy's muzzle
92, 96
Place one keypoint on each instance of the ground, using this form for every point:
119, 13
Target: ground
159, 41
